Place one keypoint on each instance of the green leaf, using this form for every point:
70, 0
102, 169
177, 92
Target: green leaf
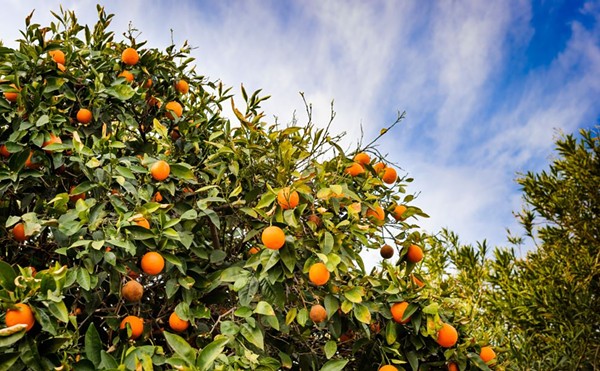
181, 348
266, 200
7, 276
476, 359
264, 308
210, 352
354, 295
330, 348
7, 360
334, 365
59, 310
253, 335
331, 305
286, 360
182, 171
121, 91
107, 361
10, 337
391, 333
93, 345
361, 312
125, 172
413, 360
290, 316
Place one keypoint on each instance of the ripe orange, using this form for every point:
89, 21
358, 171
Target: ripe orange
254, 250
378, 167
143, 222
414, 254
287, 199
29, 162
52, 140
355, 169
362, 158
388, 368
398, 211
130, 56
487, 354
127, 75
18, 232
136, 324
317, 313
84, 116
447, 336
452, 366
417, 281
132, 291
152, 263
148, 83
398, 312
160, 170
22, 314
175, 107
318, 274
377, 215
182, 86
389, 175
73, 198
11, 96
57, 55
177, 324
157, 197
273, 238
386, 251
4, 151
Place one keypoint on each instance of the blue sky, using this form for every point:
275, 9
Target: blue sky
486, 85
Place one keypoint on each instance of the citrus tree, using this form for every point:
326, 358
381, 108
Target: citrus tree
142, 229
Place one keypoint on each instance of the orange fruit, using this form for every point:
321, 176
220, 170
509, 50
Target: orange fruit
148, 83
182, 86
4, 151
73, 197
136, 324
398, 312
157, 197
398, 211
11, 96
487, 354
254, 250
315, 219
447, 336
152, 263
177, 324
317, 313
130, 56
52, 140
378, 167
143, 222
29, 163
132, 291
273, 238
414, 254
389, 175
127, 75
22, 314
386, 251
362, 158
175, 107
417, 281
287, 199
452, 366
388, 368
318, 274
18, 232
84, 116
354, 169
377, 215
160, 170
58, 56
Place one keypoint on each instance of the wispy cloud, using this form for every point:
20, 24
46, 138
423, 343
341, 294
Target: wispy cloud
477, 111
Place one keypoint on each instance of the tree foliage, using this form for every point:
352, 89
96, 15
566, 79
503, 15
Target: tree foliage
91, 208
542, 310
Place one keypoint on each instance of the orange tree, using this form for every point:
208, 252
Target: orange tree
243, 239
